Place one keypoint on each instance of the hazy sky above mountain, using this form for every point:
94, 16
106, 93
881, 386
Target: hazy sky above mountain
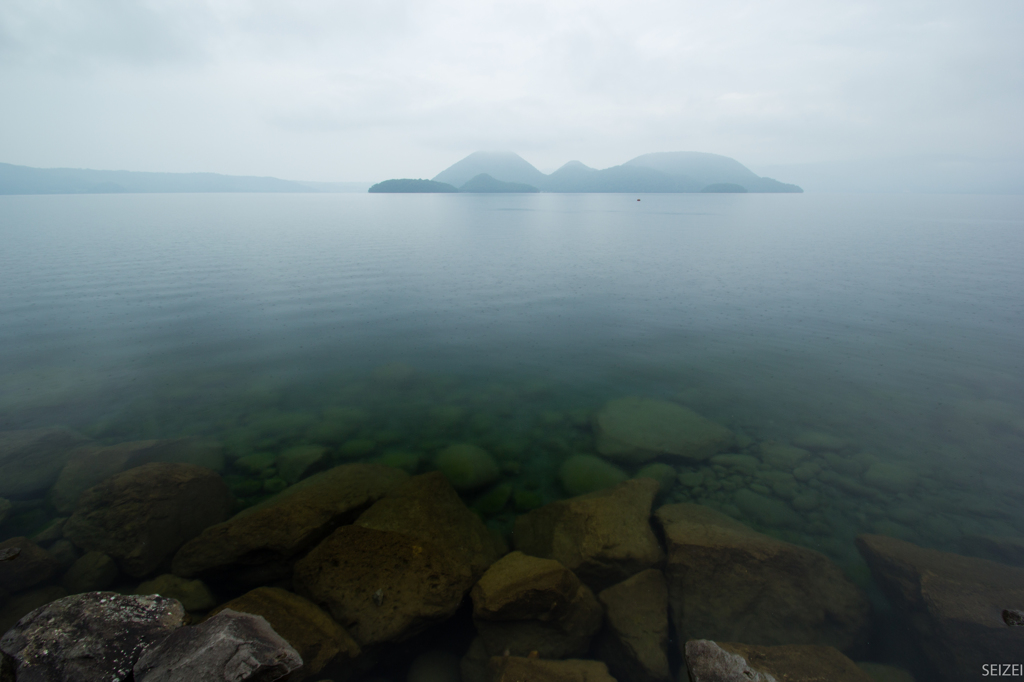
342, 90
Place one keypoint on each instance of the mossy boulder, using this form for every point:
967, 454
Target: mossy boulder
467, 466
639, 429
582, 474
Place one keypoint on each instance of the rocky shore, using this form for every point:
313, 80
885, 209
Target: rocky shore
369, 571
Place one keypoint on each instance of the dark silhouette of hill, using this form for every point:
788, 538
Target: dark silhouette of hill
484, 183
504, 166
26, 180
409, 186
657, 172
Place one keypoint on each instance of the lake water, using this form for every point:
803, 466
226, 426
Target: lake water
892, 323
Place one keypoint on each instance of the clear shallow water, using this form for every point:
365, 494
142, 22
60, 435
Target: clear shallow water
892, 322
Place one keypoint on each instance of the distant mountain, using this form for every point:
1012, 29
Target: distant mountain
658, 172
725, 188
409, 186
504, 166
484, 183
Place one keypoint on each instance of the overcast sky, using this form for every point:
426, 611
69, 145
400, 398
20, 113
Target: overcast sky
336, 90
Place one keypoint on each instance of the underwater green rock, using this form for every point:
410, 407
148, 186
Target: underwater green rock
255, 463
408, 462
664, 474
891, 477
639, 429
581, 474
493, 501
765, 510
357, 447
467, 466
293, 463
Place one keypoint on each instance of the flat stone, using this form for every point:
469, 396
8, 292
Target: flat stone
729, 583
140, 517
91, 572
709, 661
634, 642
380, 585
952, 605
305, 626
260, 544
194, 595
518, 669
603, 537
524, 604
24, 564
94, 636
639, 429
31, 459
427, 507
229, 646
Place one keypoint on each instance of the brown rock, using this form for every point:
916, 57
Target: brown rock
951, 604
1004, 550
91, 572
524, 604
260, 544
730, 583
603, 537
143, 515
519, 669
634, 642
639, 429
709, 661
428, 508
382, 586
24, 564
30, 460
94, 636
91, 464
194, 595
318, 639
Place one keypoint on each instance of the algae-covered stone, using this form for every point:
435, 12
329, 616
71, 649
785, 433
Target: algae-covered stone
256, 463
31, 459
660, 472
634, 643
259, 544
709, 661
603, 537
746, 464
729, 583
274, 485
24, 564
143, 515
581, 474
783, 457
357, 448
91, 572
466, 466
305, 626
194, 595
493, 501
409, 462
891, 477
766, 510
1004, 550
293, 463
691, 479
639, 429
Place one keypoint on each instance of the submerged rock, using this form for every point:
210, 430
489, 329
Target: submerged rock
380, 585
260, 544
639, 429
634, 642
891, 477
951, 604
1004, 550
294, 462
728, 582
5, 509
765, 510
26, 602
603, 537
709, 661
466, 466
193, 594
91, 572
308, 629
94, 636
24, 564
229, 646
524, 604
518, 669
142, 516
31, 459
582, 474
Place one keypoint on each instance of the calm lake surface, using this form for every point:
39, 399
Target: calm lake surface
892, 324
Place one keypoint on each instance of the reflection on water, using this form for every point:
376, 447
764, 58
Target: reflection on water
860, 354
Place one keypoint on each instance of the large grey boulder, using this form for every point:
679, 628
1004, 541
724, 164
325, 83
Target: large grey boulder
260, 544
31, 459
708, 661
86, 637
229, 646
634, 642
603, 537
525, 604
952, 605
639, 429
728, 582
140, 517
